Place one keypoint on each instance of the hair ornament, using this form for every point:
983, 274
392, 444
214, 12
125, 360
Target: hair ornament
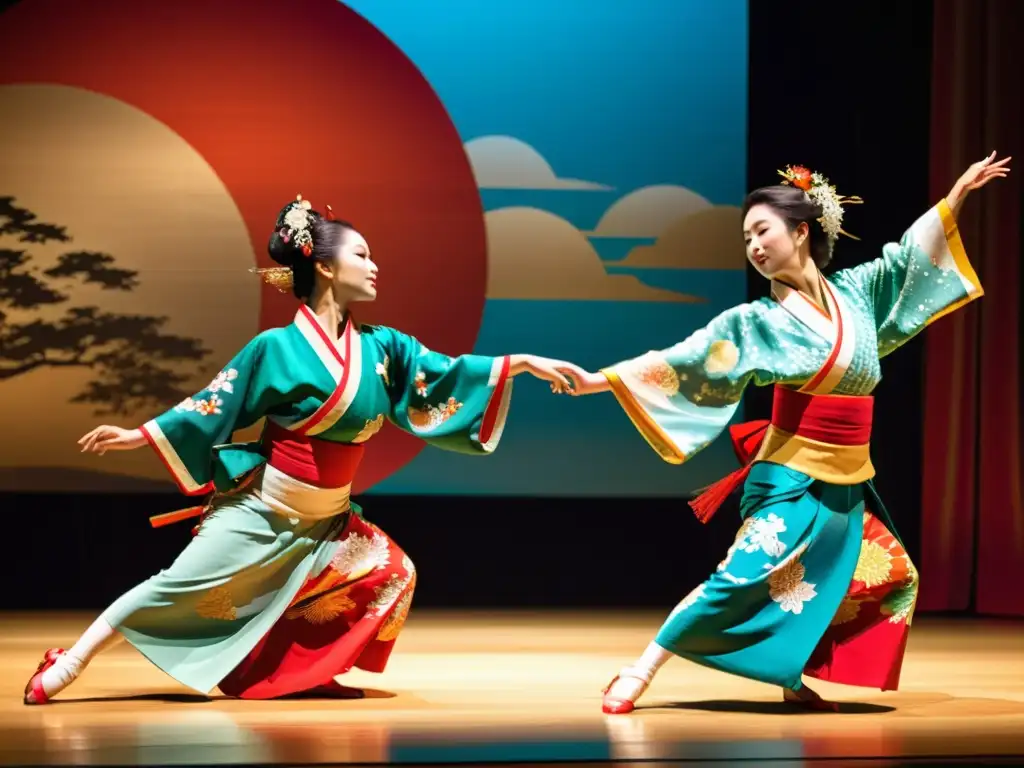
280, 278
818, 190
296, 226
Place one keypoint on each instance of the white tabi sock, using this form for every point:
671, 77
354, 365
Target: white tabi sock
98, 637
633, 680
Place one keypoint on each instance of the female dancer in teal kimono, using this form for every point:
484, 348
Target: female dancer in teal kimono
817, 581
285, 585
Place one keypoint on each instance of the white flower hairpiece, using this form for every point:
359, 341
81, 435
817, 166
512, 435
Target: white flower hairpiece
296, 226
818, 190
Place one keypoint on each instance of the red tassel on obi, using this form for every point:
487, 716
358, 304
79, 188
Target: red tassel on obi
746, 441
829, 420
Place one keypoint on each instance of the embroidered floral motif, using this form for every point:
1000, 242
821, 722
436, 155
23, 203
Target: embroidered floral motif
848, 610
420, 383
899, 604
722, 357
222, 381
764, 533
210, 406
371, 428
358, 555
217, 604
396, 620
756, 534
431, 416
323, 609
874, 565
382, 370
386, 594
204, 407
786, 585
654, 371
695, 594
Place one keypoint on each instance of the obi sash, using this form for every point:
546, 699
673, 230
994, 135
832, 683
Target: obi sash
825, 436
300, 471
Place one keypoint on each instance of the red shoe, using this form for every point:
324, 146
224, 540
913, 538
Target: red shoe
613, 706
34, 688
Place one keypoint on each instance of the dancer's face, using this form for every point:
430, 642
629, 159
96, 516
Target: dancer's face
353, 274
772, 247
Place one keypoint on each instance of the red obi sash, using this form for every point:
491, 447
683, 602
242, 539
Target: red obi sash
828, 420
319, 463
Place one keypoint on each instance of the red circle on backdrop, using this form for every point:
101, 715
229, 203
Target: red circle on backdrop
280, 98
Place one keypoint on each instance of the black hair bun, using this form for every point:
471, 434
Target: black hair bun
292, 238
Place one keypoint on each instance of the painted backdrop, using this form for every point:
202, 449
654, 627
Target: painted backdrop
557, 178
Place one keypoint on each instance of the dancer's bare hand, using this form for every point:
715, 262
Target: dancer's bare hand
557, 372
977, 176
107, 438
591, 383
982, 172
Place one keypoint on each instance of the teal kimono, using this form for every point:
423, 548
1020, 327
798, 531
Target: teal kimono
285, 584
817, 581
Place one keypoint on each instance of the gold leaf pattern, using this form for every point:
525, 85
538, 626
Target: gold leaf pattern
393, 623
217, 604
323, 609
386, 594
371, 428
848, 610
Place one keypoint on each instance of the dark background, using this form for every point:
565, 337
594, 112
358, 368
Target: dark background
843, 89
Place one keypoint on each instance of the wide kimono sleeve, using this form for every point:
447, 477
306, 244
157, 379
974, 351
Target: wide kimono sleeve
455, 403
185, 436
916, 281
681, 398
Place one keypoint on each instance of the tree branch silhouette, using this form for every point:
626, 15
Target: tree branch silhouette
133, 362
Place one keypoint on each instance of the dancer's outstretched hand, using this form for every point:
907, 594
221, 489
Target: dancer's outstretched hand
591, 383
558, 372
107, 438
981, 173
975, 177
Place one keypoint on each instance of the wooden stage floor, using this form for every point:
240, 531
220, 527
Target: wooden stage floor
484, 687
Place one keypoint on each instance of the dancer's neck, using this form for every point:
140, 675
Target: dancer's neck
329, 312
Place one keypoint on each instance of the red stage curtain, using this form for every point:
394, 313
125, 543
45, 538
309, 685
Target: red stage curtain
972, 543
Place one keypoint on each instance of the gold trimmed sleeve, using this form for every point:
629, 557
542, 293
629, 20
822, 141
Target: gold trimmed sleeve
961, 263
655, 436
923, 277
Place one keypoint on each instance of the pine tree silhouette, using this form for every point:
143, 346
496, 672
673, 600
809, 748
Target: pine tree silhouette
133, 362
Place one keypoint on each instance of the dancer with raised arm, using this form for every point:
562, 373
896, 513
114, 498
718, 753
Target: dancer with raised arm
286, 585
817, 582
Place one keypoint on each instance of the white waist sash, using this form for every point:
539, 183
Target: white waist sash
298, 500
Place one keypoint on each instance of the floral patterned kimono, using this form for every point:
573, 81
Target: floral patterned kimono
285, 585
817, 581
